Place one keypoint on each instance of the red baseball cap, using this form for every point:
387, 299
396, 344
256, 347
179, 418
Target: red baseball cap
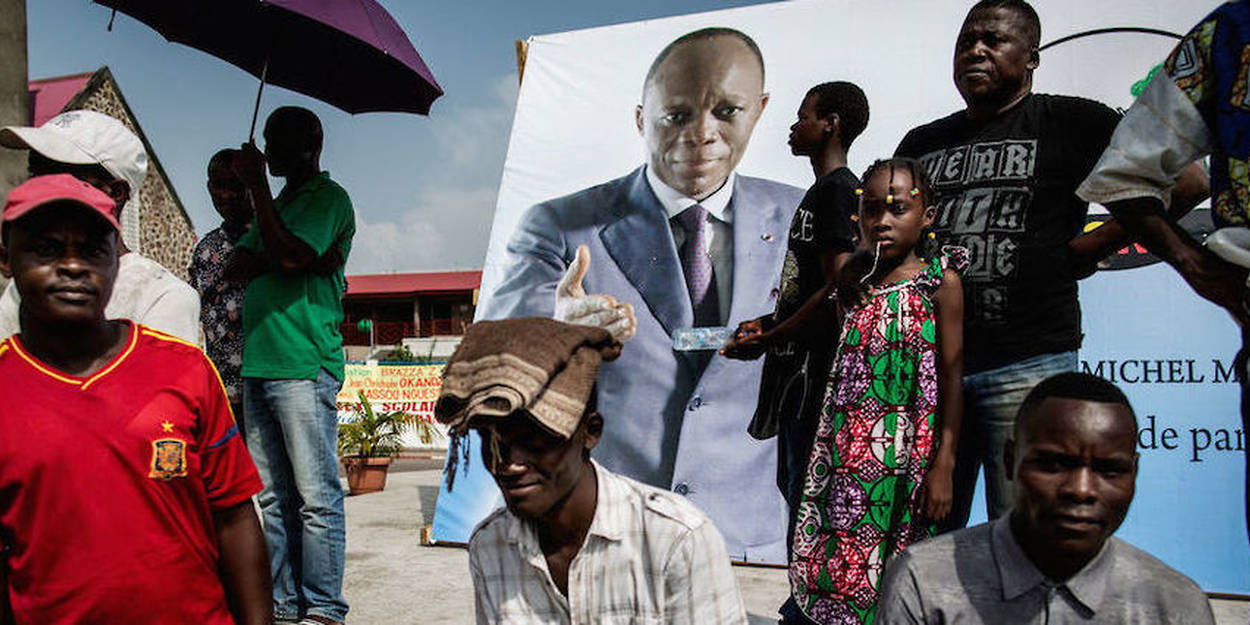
42, 190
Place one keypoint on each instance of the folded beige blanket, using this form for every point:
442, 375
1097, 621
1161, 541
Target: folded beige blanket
542, 366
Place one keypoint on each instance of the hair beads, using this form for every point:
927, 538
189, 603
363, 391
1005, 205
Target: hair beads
919, 177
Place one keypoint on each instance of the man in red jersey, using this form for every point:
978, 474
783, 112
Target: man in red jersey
124, 486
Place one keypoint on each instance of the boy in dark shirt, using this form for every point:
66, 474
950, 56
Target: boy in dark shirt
800, 336
125, 489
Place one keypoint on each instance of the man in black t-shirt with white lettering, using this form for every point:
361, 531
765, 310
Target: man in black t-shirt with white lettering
1005, 171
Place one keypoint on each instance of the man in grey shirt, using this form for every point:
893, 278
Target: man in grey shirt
1052, 559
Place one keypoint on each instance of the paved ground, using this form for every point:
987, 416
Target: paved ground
391, 579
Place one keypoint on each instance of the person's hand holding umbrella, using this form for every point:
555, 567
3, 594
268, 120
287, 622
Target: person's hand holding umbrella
249, 166
284, 252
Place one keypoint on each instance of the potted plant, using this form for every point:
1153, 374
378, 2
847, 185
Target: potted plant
368, 443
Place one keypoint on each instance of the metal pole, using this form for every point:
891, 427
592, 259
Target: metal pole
14, 89
14, 92
264, 73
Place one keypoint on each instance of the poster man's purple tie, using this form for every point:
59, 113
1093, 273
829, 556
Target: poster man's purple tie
697, 266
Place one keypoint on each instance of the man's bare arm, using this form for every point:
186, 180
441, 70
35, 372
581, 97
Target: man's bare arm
287, 252
1210, 276
816, 320
243, 266
244, 564
1088, 249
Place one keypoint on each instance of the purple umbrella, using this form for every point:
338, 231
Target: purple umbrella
348, 53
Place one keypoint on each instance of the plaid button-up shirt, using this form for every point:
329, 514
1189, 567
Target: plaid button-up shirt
650, 557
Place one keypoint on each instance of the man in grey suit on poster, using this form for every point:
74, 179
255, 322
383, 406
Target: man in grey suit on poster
680, 242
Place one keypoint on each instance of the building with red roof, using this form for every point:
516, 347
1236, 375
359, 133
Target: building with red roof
409, 305
50, 96
161, 229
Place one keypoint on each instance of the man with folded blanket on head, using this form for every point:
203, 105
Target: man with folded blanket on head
574, 543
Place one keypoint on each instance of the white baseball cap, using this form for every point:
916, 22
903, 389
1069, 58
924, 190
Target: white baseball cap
85, 138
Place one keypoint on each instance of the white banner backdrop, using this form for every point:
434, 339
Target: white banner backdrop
574, 128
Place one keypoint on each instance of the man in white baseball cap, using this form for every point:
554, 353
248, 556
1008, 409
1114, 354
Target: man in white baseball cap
102, 152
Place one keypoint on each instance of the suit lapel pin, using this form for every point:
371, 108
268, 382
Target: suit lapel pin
766, 236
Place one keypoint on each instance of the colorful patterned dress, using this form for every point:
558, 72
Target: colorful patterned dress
874, 443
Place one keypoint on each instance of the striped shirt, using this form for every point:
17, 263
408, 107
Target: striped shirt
649, 557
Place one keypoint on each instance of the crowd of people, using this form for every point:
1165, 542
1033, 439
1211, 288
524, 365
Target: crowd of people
925, 326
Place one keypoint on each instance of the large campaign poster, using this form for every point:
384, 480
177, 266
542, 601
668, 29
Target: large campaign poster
576, 128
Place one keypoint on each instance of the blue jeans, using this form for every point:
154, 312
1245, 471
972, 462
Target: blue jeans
991, 399
292, 432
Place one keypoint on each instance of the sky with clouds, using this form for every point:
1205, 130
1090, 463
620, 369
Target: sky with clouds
423, 188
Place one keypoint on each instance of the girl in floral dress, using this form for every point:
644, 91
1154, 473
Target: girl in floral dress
880, 470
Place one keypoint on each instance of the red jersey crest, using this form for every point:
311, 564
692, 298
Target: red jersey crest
169, 458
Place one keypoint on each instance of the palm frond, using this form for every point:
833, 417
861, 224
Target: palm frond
374, 434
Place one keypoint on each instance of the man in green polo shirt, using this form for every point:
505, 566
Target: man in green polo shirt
293, 361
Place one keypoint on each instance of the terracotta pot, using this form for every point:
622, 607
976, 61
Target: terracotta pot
365, 475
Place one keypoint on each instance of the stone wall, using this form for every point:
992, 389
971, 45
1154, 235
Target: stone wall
165, 232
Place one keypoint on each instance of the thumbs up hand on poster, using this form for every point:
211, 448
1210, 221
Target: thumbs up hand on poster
573, 305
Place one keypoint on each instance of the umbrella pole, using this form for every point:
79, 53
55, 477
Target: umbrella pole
264, 73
